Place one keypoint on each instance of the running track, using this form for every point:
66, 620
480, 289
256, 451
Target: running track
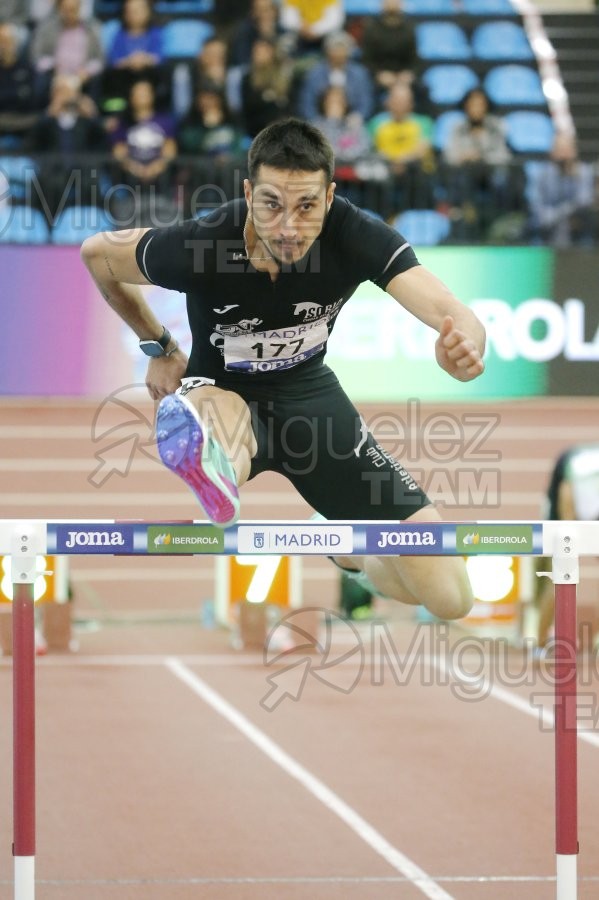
161, 775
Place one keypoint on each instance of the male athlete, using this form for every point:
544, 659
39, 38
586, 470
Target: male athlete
265, 278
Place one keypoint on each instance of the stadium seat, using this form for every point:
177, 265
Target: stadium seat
430, 7
514, 85
362, 7
444, 125
442, 40
18, 171
501, 41
423, 227
75, 223
184, 7
184, 38
528, 131
22, 225
447, 84
109, 31
488, 8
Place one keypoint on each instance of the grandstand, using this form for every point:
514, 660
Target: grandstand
535, 63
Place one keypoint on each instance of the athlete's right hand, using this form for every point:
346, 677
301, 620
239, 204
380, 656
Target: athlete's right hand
165, 373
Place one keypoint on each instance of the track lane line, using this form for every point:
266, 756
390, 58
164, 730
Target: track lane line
397, 860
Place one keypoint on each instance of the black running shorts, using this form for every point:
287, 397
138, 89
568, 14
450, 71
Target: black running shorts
308, 430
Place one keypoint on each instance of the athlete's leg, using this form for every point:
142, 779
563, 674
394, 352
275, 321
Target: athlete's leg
228, 417
205, 436
352, 477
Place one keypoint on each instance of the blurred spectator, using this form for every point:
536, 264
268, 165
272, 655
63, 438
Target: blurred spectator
482, 188
38, 10
16, 89
211, 64
262, 22
138, 43
562, 198
65, 44
69, 128
264, 88
311, 21
401, 136
337, 70
14, 11
144, 143
208, 129
345, 131
135, 51
403, 140
480, 137
389, 45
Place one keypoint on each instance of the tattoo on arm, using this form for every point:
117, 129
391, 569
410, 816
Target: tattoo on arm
108, 266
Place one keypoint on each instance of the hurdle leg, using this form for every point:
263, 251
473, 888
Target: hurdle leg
23, 739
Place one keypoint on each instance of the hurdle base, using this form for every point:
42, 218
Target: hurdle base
24, 878
566, 877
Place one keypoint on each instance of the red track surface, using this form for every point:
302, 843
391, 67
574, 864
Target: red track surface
146, 790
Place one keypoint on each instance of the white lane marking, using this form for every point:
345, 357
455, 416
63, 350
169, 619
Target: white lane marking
397, 860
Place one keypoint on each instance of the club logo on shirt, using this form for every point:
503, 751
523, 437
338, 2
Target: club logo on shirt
245, 326
309, 308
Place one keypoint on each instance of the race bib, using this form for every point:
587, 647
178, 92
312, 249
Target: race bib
281, 348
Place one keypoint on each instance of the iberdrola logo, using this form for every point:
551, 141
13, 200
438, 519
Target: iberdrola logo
162, 539
473, 538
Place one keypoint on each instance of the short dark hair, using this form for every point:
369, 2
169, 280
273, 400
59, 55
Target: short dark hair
291, 144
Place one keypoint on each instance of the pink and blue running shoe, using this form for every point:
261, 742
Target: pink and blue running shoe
187, 448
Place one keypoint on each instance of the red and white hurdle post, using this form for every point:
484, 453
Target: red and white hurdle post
23, 566
565, 577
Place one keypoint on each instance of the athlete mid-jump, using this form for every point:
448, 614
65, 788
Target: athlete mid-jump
265, 278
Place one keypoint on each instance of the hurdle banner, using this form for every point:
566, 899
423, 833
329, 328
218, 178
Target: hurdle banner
564, 542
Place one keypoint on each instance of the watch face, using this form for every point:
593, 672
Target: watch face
151, 348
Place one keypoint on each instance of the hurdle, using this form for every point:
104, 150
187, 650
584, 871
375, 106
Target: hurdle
565, 542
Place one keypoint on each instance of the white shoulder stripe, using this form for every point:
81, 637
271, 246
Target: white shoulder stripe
144, 267
395, 255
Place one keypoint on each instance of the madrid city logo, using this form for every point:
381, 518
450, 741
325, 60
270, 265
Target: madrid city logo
259, 540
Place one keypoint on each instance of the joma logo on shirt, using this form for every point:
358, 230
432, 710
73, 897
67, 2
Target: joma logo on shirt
308, 308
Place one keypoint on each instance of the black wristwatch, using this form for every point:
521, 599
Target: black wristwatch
158, 347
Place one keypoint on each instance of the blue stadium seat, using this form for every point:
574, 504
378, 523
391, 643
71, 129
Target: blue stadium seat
184, 38
108, 33
444, 125
22, 225
514, 85
442, 40
423, 227
184, 7
430, 7
488, 8
447, 84
501, 41
362, 7
528, 131
19, 171
75, 223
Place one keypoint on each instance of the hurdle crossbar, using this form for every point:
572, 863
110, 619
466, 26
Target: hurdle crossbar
564, 542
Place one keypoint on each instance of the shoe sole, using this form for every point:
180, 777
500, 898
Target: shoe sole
187, 449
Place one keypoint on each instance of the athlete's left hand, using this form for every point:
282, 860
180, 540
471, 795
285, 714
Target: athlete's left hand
165, 373
456, 353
